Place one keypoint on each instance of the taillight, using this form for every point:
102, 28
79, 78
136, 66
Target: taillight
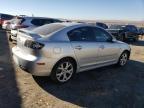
33, 44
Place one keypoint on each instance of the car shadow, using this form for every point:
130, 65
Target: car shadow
103, 87
9, 92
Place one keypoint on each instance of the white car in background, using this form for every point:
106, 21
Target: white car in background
6, 24
28, 23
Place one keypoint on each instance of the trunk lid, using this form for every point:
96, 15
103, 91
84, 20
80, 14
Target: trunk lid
24, 35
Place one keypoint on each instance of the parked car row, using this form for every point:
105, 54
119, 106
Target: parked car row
124, 32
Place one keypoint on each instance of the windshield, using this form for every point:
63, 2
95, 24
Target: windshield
47, 29
131, 28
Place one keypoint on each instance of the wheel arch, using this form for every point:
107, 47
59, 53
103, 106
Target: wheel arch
127, 52
69, 58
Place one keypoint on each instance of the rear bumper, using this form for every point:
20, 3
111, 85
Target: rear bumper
29, 63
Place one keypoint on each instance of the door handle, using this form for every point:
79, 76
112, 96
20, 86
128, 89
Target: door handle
102, 47
78, 47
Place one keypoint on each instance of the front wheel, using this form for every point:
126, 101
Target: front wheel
123, 59
63, 71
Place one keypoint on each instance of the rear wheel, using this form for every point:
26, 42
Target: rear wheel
123, 59
63, 71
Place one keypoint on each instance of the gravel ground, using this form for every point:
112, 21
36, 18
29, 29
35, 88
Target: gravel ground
108, 87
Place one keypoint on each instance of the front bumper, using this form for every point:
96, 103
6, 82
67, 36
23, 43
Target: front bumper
29, 63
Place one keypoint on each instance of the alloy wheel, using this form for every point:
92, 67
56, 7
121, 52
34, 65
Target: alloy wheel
123, 59
64, 71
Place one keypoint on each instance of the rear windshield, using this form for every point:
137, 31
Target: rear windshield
47, 29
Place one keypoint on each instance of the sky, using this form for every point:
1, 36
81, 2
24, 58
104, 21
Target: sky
77, 9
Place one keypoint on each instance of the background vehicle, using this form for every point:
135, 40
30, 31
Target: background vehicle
4, 17
60, 50
124, 32
141, 31
102, 25
28, 23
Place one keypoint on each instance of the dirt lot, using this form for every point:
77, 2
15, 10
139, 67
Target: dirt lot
108, 87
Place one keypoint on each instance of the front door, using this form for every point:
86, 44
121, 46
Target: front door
84, 45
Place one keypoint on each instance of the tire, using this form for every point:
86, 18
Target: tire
61, 73
123, 59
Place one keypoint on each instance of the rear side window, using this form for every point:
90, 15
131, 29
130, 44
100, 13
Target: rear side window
47, 21
40, 22
82, 34
37, 22
47, 29
55, 21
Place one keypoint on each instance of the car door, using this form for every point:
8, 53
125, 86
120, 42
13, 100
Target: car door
84, 45
109, 50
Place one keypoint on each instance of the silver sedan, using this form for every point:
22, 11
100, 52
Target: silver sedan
60, 50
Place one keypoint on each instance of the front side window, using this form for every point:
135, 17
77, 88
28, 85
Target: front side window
101, 35
85, 34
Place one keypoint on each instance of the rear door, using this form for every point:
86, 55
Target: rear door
84, 45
